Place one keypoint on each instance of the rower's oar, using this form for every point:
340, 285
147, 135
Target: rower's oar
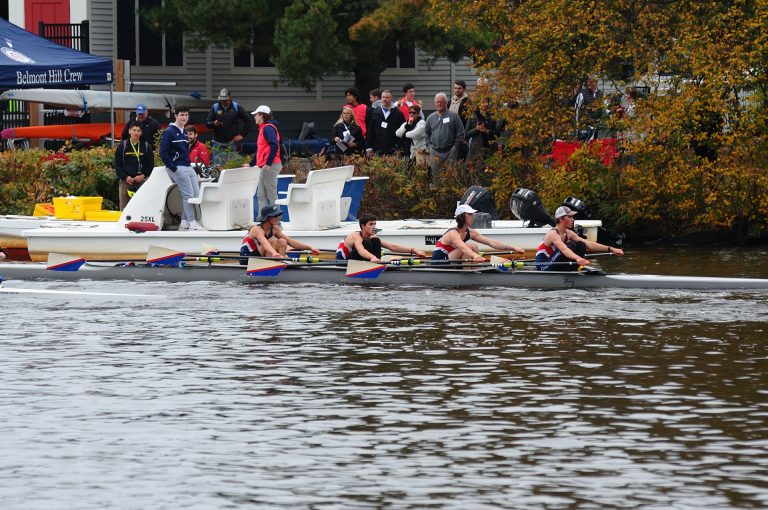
264, 267
159, 256
64, 262
364, 269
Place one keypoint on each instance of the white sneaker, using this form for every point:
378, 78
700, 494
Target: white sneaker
184, 225
193, 225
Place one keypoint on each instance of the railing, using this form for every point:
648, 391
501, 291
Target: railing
71, 35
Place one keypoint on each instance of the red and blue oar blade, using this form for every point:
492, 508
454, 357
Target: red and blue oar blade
64, 262
159, 256
264, 267
364, 269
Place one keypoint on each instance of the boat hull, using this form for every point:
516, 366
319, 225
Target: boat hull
394, 276
108, 242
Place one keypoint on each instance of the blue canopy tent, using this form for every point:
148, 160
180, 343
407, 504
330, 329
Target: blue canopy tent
27, 60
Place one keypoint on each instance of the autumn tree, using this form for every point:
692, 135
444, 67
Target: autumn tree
698, 141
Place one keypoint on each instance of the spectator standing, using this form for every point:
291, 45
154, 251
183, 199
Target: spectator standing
267, 155
346, 134
134, 161
198, 151
444, 132
408, 100
230, 124
149, 126
375, 97
174, 151
482, 135
414, 131
383, 122
589, 102
460, 101
360, 109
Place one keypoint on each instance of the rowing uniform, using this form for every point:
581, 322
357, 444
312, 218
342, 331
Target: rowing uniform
250, 246
442, 251
373, 245
546, 256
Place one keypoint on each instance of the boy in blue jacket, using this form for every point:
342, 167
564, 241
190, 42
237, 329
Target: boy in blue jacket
174, 151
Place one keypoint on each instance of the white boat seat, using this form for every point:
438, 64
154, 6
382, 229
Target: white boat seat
316, 204
227, 204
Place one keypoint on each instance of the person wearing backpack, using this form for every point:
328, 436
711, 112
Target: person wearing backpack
134, 161
230, 124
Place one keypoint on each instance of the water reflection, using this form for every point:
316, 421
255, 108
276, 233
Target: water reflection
218, 396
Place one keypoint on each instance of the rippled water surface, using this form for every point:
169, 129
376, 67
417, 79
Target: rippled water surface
212, 395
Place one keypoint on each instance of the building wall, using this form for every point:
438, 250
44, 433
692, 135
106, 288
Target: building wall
209, 71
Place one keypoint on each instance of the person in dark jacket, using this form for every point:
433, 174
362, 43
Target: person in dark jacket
174, 151
346, 134
134, 160
149, 126
230, 124
383, 122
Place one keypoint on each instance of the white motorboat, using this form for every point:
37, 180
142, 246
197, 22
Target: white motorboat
316, 212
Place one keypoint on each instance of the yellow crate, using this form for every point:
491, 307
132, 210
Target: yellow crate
102, 215
43, 210
74, 208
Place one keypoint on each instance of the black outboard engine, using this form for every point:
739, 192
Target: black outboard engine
482, 200
604, 236
526, 205
579, 206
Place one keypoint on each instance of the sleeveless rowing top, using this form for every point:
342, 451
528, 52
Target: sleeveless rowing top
447, 249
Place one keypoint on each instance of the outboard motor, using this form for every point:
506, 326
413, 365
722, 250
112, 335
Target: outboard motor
481, 199
526, 205
604, 236
579, 206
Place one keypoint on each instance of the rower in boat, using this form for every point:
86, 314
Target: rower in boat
454, 245
266, 238
365, 245
561, 244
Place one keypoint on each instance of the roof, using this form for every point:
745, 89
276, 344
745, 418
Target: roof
27, 60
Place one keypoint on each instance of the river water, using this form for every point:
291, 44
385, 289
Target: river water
213, 395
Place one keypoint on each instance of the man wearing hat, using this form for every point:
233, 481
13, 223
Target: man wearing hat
454, 244
266, 238
230, 124
563, 250
149, 126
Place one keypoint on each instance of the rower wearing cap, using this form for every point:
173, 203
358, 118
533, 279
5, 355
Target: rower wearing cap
454, 246
266, 238
561, 244
365, 245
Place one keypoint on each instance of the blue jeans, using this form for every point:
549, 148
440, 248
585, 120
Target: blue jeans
186, 180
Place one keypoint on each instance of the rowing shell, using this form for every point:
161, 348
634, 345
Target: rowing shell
396, 276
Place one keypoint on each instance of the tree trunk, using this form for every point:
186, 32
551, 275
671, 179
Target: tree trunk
367, 78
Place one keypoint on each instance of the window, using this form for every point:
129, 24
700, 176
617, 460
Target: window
135, 38
399, 55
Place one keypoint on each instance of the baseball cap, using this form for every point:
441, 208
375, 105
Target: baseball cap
141, 108
224, 94
262, 109
268, 211
564, 211
464, 208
